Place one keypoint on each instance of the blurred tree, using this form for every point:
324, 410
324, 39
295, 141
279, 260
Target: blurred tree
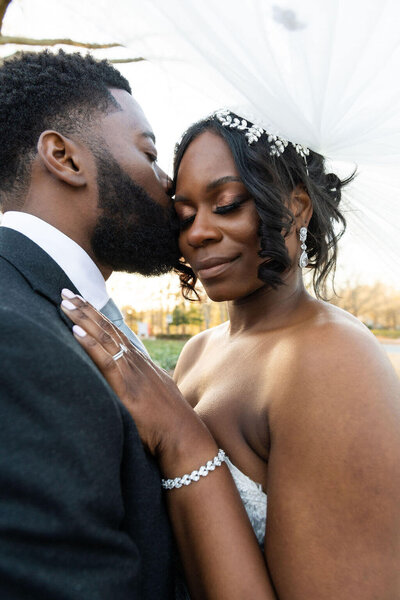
130, 316
376, 305
179, 317
195, 315
391, 311
182, 316
355, 298
206, 308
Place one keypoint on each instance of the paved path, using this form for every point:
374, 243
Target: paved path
393, 351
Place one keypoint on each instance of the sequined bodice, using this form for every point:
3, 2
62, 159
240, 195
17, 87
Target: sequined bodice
254, 500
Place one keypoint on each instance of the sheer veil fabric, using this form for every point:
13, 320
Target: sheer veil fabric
320, 73
324, 74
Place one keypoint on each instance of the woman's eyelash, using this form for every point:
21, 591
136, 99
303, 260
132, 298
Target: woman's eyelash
186, 222
219, 210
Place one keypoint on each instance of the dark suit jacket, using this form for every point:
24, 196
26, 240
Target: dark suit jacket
81, 506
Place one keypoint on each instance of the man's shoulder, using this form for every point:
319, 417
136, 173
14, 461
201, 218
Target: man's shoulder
15, 290
37, 347
23, 320
8, 270
43, 369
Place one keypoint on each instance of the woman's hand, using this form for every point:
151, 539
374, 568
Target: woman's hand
211, 526
165, 421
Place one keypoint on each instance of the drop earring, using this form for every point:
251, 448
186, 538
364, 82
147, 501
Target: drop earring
303, 260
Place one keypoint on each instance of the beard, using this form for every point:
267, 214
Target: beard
133, 232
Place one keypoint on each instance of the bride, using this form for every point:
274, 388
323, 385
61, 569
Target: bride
296, 392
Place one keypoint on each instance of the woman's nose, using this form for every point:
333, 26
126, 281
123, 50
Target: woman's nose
203, 230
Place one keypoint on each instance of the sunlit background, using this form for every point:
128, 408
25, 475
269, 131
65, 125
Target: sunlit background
368, 284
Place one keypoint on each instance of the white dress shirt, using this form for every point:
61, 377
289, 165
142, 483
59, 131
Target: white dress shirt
72, 259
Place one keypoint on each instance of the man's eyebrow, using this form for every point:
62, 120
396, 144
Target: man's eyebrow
213, 185
149, 134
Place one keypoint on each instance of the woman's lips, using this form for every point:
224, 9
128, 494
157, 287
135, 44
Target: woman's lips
210, 269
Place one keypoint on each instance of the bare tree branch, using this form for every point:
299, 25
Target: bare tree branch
23, 41
113, 60
3, 8
9, 39
126, 60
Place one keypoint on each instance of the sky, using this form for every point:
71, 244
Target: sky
171, 107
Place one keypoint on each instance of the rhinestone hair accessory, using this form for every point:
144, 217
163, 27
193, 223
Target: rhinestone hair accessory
253, 133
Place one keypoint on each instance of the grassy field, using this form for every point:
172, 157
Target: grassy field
165, 352
391, 334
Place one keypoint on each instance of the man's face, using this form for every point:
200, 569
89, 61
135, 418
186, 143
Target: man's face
135, 229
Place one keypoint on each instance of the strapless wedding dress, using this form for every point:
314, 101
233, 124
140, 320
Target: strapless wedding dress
255, 503
254, 500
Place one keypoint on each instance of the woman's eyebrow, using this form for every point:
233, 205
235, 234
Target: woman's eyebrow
178, 198
213, 185
221, 181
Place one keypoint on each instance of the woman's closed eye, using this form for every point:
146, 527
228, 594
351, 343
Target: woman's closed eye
186, 221
225, 208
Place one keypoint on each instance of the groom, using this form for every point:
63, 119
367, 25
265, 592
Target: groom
81, 508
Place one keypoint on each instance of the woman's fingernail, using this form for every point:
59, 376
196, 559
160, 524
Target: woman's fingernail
67, 293
68, 305
79, 331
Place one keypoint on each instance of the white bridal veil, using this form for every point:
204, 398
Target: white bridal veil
324, 73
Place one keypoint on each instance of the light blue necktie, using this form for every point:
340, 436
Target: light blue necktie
112, 312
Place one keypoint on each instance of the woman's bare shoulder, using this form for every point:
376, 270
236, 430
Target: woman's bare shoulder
332, 329
334, 354
194, 348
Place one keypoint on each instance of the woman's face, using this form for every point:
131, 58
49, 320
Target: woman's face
218, 219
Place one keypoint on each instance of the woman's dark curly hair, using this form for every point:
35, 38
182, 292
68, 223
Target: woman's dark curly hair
270, 180
43, 90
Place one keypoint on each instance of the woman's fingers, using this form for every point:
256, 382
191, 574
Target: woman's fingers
94, 322
108, 364
99, 338
90, 320
149, 395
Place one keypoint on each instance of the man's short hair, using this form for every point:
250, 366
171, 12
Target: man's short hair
40, 91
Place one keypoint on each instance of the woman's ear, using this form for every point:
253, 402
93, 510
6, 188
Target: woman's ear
62, 158
301, 206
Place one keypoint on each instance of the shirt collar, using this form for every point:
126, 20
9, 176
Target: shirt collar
72, 259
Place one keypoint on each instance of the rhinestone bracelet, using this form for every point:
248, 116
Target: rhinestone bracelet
169, 484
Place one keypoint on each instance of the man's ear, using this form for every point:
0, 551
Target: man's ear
301, 206
62, 158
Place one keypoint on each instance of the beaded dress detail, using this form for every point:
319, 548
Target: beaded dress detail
254, 500
255, 503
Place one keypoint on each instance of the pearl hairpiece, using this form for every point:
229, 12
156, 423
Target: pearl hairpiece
254, 132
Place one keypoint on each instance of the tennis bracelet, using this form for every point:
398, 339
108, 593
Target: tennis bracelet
204, 470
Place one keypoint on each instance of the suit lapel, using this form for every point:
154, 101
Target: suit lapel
37, 267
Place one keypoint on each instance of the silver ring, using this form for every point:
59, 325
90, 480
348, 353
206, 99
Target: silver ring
119, 354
